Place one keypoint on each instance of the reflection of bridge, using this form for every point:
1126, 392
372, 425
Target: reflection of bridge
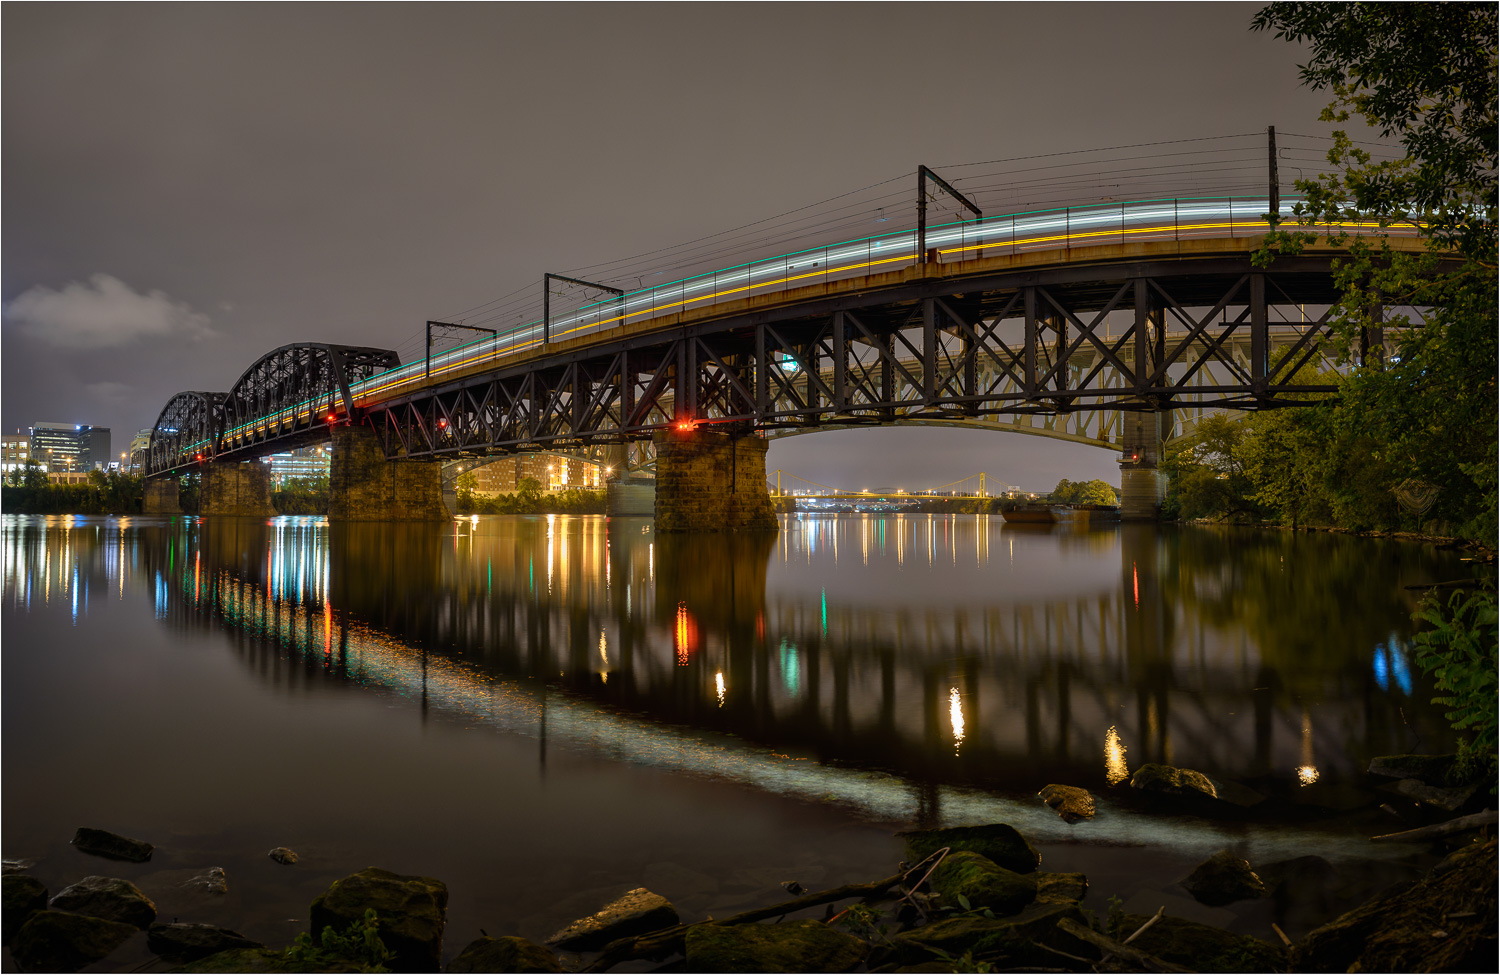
1107, 325
993, 692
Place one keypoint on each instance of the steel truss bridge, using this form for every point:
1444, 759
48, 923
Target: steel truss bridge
1056, 323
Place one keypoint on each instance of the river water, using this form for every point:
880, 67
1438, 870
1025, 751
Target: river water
546, 711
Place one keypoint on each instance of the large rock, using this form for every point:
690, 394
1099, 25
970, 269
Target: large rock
505, 955
982, 882
23, 897
1061, 888
412, 912
1069, 802
1172, 781
1223, 879
265, 960
1202, 947
1446, 799
637, 912
187, 942
1435, 770
794, 946
102, 843
284, 856
998, 842
55, 941
109, 898
1444, 923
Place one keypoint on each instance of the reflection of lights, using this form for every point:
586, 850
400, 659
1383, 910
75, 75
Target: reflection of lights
791, 668
956, 717
603, 657
1307, 772
1135, 580
1390, 664
1115, 770
719, 686
685, 635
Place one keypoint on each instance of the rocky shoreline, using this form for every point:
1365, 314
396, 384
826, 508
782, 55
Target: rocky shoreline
968, 898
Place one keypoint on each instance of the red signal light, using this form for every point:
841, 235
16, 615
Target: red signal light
331, 418
442, 423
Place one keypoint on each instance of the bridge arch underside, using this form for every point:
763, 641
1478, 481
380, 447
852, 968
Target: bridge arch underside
185, 432
1067, 351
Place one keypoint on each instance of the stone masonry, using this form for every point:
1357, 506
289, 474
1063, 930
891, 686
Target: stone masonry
364, 486
1143, 487
161, 497
230, 488
711, 482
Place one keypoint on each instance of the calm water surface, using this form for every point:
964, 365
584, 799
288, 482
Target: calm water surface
546, 711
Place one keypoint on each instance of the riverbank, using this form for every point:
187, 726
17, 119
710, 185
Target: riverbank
963, 898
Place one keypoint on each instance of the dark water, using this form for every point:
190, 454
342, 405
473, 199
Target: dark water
546, 711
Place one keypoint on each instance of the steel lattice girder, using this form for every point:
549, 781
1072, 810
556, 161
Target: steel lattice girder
1048, 343
286, 397
186, 432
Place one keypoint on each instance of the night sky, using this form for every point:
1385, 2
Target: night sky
187, 187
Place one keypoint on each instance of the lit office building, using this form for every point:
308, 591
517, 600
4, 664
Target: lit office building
70, 446
504, 476
304, 462
15, 451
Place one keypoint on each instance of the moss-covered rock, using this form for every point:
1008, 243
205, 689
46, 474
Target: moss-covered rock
1152, 777
795, 946
56, 941
1434, 770
505, 955
1015, 940
1061, 888
1069, 802
982, 883
998, 842
108, 897
185, 942
264, 960
113, 846
412, 913
23, 896
1223, 879
1444, 923
636, 912
1202, 947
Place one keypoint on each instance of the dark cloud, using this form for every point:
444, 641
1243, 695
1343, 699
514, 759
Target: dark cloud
345, 172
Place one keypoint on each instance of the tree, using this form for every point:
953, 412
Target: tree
1424, 73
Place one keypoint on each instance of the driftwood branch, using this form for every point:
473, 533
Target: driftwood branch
1458, 825
666, 941
1110, 946
1160, 911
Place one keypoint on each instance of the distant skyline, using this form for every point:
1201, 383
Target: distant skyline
187, 187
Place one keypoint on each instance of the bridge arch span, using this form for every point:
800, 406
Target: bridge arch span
186, 431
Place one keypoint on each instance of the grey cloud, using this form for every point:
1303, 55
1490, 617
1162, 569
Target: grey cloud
102, 312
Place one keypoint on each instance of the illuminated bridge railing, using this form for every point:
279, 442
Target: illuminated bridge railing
1010, 234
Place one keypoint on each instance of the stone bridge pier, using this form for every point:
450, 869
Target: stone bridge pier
711, 482
1143, 487
364, 486
231, 488
161, 497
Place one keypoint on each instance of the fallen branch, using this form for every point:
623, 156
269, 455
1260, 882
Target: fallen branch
1111, 947
1485, 818
1281, 934
1160, 911
658, 944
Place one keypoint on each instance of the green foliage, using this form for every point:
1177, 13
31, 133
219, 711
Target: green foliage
1114, 919
963, 963
576, 501
1083, 492
359, 944
1459, 650
864, 921
1426, 409
302, 496
105, 493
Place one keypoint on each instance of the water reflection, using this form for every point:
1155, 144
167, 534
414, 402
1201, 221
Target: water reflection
1230, 652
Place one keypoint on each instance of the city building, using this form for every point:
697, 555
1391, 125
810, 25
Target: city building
15, 450
553, 474
304, 462
140, 444
70, 446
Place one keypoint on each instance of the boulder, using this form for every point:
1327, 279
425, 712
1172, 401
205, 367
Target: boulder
999, 843
1443, 923
55, 941
16, 866
23, 897
1446, 799
1223, 879
1172, 781
1061, 888
412, 912
637, 912
1435, 770
264, 960
187, 942
1203, 947
982, 882
793, 946
505, 955
109, 898
102, 843
212, 881
283, 855
1069, 802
